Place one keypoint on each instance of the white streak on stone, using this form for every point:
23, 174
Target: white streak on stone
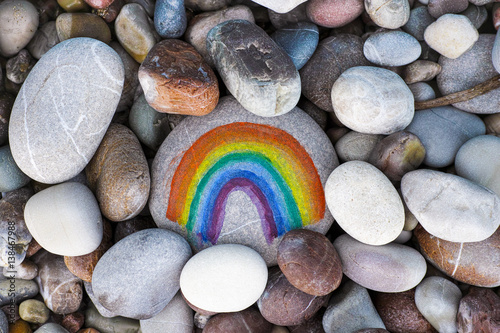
102, 67
26, 129
458, 259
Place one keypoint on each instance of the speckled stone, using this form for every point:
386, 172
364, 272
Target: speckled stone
280, 6
333, 56
176, 317
46, 138
51, 328
479, 311
17, 68
249, 320
422, 91
419, 20
246, 57
310, 262
388, 268
334, 13
176, 79
476, 14
11, 177
71, 25
44, 39
355, 146
25, 289
206, 5
19, 23
476, 263
4, 323
6, 102
438, 8
73, 321
131, 81
372, 100
421, 70
391, 48
34, 311
390, 14
170, 18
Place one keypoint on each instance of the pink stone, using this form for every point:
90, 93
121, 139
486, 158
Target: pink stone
99, 4
334, 13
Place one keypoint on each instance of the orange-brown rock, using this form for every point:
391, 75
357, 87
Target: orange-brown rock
73, 321
88, 330
20, 326
33, 247
176, 79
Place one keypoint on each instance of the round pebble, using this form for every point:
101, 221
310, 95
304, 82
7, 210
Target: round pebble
390, 14
333, 14
44, 39
170, 18
34, 311
19, 24
422, 91
249, 320
421, 70
355, 146
391, 48
419, 20
438, 8
71, 25
51, 328
11, 177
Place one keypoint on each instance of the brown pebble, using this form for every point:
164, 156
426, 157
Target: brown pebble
138, 223
310, 262
33, 247
110, 13
479, 312
492, 123
99, 4
20, 326
73, 321
176, 79
421, 71
249, 320
71, 25
88, 330
313, 325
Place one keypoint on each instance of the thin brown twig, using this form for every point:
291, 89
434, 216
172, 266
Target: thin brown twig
461, 96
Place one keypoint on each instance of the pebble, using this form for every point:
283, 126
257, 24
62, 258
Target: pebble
389, 268
437, 300
334, 13
170, 18
492, 123
4, 324
34, 311
333, 56
438, 8
419, 20
47, 140
119, 174
176, 317
51, 328
18, 67
44, 39
451, 35
72, 6
355, 146
11, 177
71, 25
131, 82
176, 79
364, 203
392, 48
372, 100
65, 219
109, 325
476, 263
400, 313
245, 218
280, 6
128, 227
24, 289
249, 320
27, 270
224, 278
318, 115
73, 322
299, 40
62, 292
421, 70
422, 91
99, 307
479, 311
118, 280
19, 23
351, 309
283, 304
280, 20
110, 13
206, 5
476, 14
390, 14
135, 31
20, 326
99, 4
442, 131
472, 211
310, 262
472, 68
247, 60
6, 102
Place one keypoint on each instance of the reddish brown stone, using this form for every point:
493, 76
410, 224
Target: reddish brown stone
138, 223
88, 330
99, 4
400, 314
176, 79
110, 13
33, 247
73, 321
479, 312
476, 263
249, 320
372, 330
310, 262
313, 325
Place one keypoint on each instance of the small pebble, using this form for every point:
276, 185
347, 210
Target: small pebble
249, 320
334, 13
73, 321
99, 4
71, 25
4, 323
27, 270
11, 177
18, 67
110, 13
206, 5
19, 24
170, 18
34, 311
45, 38
391, 48
25, 289
20, 326
355, 146
438, 8
72, 6
390, 14
479, 310
422, 91
419, 20
116, 324
128, 227
421, 70
476, 14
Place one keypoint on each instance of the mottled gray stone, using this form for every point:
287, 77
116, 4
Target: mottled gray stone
438, 8
44, 39
419, 20
4, 324
476, 14
351, 309
54, 127
19, 24
355, 146
443, 130
27, 270
390, 14
280, 6
131, 81
422, 91
23, 289
109, 325
391, 48
206, 5
176, 317
51, 328
17, 68
421, 70
257, 72
128, 285
280, 20
11, 177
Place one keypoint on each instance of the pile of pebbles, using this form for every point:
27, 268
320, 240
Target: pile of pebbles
249, 166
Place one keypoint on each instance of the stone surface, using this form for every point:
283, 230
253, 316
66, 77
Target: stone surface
27, 270
310, 262
170, 18
437, 299
334, 14
333, 56
206, 5
442, 131
283, 304
51, 328
110, 13
176, 317
118, 174
280, 6
419, 20
246, 218
479, 311
247, 60
249, 320
176, 79
438, 8
25, 289
72, 25
46, 138
391, 48
364, 203
72, 6
19, 24
73, 322
451, 207
476, 14
65, 219
61, 291
280, 20
224, 278
472, 68
20, 326
387, 268
422, 91
421, 70
138, 223
475, 263
127, 285
34, 311
351, 309
6, 102
131, 81
99, 4
495, 53
18, 67
355, 146
4, 324
109, 325
372, 100
319, 116
390, 14
11, 177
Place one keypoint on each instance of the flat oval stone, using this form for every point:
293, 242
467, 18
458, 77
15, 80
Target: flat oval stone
65, 219
170, 18
34, 311
334, 14
53, 137
422, 91
25, 289
176, 317
310, 262
419, 20
442, 131
226, 150
392, 48
479, 310
364, 203
372, 100
390, 14
355, 146
421, 70
257, 72
333, 56
475, 263
71, 25
19, 24
389, 268
117, 275
119, 174
249, 320
11, 177
224, 278
176, 79
451, 207
102, 324
44, 39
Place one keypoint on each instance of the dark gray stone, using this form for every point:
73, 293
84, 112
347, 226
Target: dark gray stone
44, 39
18, 67
476, 14
4, 324
280, 20
438, 8
419, 20
23, 289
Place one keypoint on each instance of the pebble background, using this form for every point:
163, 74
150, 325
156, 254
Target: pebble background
263, 166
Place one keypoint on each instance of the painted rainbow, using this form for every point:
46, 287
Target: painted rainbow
265, 162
